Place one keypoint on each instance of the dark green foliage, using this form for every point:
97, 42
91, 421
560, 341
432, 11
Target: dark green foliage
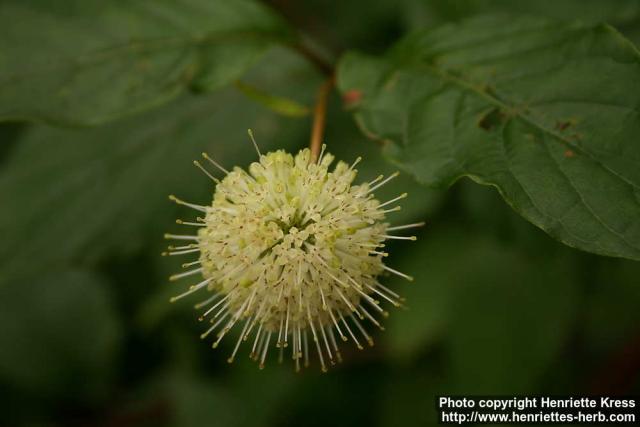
89, 61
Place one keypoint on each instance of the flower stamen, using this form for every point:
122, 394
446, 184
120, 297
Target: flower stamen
214, 163
206, 172
403, 227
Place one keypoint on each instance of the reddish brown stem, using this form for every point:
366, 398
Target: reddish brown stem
319, 117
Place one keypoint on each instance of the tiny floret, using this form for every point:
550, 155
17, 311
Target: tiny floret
290, 253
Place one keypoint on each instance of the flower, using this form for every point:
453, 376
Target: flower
291, 251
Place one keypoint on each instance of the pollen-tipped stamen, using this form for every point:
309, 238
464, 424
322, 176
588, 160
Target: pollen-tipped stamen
406, 226
400, 197
195, 224
206, 172
255, 144
187, 204
214, 163
398, 273
389, 178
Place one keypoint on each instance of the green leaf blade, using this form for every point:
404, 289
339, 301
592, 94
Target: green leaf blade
92, 192
542, 111
90, 62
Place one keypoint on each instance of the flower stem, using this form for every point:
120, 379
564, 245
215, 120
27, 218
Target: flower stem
319, 117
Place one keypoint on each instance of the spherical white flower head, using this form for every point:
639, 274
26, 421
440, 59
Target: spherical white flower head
290, 250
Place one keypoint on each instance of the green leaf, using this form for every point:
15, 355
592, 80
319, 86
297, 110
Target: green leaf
545, 112
69, 201
59, 335
503, 314
86, 62
277, 104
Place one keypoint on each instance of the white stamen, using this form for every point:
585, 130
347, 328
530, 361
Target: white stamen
190, 264
195, 224
207, 301
255, 342
389, 178
396, 272
387, 236
185, 274
383, 254
264, 352
286, 325
214, 163
210, 310
356, 161
214, 326
371, 318
362, 330
315, 339
206, 172
335, 323
400, 197
392, 301
326, 343
353, 337
255, 144
334, 344
256, 355
190, 205
378, 178
189, 251
279, 342
403, 227
306, 349
389, 291
191, 290
324, 147
180, 237
238, 342
396, 209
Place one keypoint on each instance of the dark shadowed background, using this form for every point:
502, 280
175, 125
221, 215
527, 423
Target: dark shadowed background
88, 337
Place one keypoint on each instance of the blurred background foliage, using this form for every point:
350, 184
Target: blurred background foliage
87, 336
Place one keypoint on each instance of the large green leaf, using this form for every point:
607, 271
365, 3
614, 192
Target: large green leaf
68, 201
88, 61
545, 112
